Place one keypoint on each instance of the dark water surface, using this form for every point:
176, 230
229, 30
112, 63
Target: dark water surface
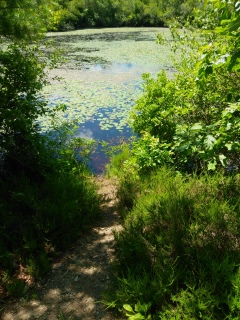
102, 78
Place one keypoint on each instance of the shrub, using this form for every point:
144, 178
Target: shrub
192, 121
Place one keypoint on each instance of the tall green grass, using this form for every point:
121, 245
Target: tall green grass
178, 253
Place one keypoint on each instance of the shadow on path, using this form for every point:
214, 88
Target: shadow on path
74, 288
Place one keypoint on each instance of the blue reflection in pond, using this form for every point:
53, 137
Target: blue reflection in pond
92, 130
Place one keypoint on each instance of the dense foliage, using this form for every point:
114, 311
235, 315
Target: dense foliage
21, 78
178, 253
192, 121
113, 13
25, 18
46, 196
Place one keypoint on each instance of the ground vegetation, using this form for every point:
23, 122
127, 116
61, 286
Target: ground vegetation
178, 253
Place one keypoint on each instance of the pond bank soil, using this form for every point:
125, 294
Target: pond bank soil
75, 286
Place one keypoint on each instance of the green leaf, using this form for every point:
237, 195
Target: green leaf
234, 26
229, 125
128, 307
196, 126
237, 5
222, 159
137, 316
19, 194
183, 147
212, 165
229, 146
222, 59
209, 141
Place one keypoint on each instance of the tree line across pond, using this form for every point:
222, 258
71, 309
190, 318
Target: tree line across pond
75, 14
29, 18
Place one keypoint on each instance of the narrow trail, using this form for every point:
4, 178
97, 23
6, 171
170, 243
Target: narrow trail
76, 283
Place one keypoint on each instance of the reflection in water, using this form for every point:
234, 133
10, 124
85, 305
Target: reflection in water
84, 133
115, 68
92, 130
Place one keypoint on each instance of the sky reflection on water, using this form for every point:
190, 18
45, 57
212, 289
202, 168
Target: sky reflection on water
92, 130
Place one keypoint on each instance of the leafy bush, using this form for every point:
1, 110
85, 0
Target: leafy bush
25, 19
192, 121
21, 77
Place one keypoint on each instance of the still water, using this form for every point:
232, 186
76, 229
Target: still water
101, 78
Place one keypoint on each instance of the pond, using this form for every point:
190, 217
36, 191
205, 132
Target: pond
101, 79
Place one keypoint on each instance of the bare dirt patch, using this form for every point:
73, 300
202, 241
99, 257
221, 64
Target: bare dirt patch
75, 286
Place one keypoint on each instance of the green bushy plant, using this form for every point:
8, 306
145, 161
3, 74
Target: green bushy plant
21, 77
179, 247
139, 312
191, 121
25, 19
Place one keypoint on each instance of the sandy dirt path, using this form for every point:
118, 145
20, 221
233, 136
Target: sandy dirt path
73, 290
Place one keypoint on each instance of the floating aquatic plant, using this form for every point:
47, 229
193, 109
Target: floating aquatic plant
102, 77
